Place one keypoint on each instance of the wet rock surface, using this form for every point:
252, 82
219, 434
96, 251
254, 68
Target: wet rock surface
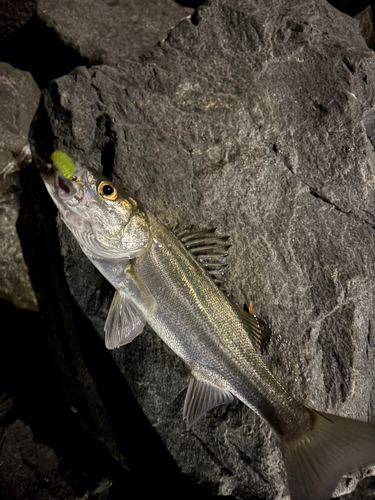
19, 97
257, 119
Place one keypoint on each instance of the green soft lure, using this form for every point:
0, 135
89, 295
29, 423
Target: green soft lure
63, 163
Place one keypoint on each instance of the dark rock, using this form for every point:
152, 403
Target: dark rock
6, 404
38, 49
14, 14
31, 470
19, 96
113, 31
350, 7
257, 119
194, 4
365, 491
45, 452
366, 25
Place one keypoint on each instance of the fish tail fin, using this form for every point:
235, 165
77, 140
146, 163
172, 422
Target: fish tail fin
316, 458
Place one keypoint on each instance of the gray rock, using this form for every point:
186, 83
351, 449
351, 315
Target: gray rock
256, 118
19, 96
113, 31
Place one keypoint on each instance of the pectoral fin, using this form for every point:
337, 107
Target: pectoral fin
124, 322
200, 398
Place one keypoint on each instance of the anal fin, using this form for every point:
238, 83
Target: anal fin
200, 398
124, 322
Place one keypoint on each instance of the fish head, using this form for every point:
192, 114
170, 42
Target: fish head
107, 223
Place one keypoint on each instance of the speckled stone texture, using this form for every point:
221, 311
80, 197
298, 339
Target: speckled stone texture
19, 97
111, 31
256, 118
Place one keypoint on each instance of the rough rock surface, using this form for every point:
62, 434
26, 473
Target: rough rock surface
19, 96
111, 31
256, 118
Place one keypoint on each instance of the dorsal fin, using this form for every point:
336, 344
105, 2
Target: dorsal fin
208, 249
211, 252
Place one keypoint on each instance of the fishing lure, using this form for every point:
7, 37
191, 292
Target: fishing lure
63, 163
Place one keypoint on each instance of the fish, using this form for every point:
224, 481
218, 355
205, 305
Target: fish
166, 281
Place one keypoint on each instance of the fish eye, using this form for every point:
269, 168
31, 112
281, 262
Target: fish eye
107, 190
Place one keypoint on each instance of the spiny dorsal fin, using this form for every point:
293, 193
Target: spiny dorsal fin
259, 332
211, 251
200, 398
208, 249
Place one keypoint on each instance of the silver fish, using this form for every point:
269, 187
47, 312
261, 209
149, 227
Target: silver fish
158, 281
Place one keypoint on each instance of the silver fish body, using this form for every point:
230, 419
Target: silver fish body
158, 281
197, 321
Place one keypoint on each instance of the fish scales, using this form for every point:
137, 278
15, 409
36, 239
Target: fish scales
195, 319
159, 282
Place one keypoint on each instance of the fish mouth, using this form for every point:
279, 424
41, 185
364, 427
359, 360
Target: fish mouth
56, 181
76, 198
64, 189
